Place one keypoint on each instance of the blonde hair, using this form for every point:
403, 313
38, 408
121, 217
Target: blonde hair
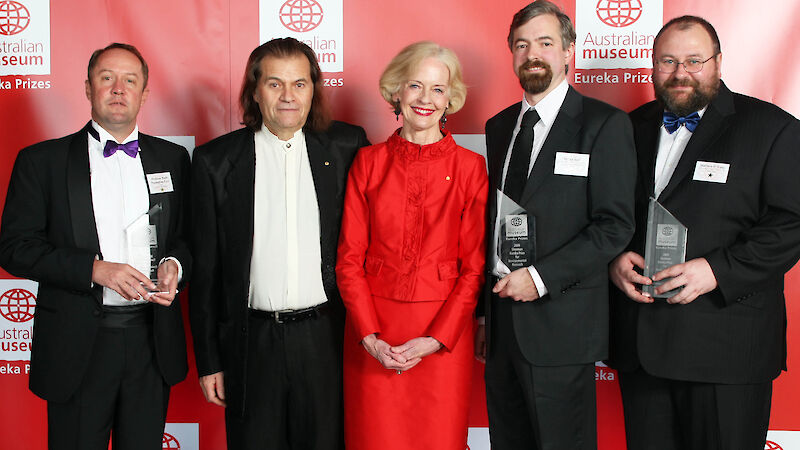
397, 72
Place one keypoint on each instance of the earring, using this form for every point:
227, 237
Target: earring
443, 120
397, 110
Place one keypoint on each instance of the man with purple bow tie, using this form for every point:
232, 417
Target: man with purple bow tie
98, 219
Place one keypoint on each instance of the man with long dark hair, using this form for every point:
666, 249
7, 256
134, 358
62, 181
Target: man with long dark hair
267, 318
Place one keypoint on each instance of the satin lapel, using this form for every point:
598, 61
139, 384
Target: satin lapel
79, 190
646, 133
711, 127
324, 174
560, 138
151, 163
79, 194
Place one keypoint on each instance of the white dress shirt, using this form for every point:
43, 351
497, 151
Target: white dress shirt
670, 150
119, 197
548, 108
285, 267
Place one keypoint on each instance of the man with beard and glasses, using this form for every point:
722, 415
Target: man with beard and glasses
569, 161
696, 368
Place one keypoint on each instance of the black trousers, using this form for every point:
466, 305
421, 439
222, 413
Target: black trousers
293, 387
536, 407
664, 414
122, 394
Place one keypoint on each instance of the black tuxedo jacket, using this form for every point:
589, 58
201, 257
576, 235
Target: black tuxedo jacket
581, 224
748, 229
49, 235
222, 210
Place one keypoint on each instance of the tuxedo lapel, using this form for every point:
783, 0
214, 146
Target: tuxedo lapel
79, 190
560, 138
711, 127
79, 193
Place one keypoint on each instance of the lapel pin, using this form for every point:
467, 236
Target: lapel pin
327, 163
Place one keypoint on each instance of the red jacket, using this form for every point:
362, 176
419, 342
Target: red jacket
413, 230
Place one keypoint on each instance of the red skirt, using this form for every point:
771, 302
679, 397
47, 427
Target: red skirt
423, 408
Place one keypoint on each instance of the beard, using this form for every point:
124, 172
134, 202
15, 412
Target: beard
701, 95
535, 83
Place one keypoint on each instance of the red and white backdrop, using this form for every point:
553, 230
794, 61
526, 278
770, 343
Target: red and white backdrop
197, 50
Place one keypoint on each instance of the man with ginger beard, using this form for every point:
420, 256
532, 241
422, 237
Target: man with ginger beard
696, 368
569, 161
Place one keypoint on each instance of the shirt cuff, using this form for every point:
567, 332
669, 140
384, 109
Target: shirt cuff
180, 268
537, 280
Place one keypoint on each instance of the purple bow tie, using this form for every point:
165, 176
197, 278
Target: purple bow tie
130, 148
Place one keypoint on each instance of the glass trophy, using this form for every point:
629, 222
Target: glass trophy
665, 246
142, 243
516, 239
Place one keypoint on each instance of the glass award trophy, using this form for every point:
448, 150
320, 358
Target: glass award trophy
665, 245
142, 243
516, 239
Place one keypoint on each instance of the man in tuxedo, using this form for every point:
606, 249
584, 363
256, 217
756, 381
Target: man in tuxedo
569, 161
267, 318
106, 348
696, 368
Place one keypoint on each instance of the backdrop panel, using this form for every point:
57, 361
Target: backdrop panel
197, 51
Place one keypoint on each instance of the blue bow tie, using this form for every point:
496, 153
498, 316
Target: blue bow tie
672, 122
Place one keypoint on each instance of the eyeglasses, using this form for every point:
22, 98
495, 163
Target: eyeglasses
693, 65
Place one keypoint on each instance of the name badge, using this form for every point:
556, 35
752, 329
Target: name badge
159, 183
711, 172
574, 164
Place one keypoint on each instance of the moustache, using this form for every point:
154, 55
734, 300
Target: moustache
534, 65
681, 83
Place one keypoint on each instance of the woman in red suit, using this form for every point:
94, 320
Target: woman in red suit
410, 265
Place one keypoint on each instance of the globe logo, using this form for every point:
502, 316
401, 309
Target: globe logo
667, 231
17, 305
301, 15
516, 221
769, 445
14, 17
619, 13
168, 441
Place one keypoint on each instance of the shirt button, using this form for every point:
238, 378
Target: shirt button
288, 145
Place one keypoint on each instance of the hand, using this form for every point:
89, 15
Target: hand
480, 343
122, 278
694, 275
167, 282
417, 348
518, 285
213, 388
382, 351
622, 274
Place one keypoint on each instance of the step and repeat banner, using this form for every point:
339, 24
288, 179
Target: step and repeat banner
197, 51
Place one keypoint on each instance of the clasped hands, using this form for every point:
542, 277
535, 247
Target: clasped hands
695, 276
134, 285
402, 357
